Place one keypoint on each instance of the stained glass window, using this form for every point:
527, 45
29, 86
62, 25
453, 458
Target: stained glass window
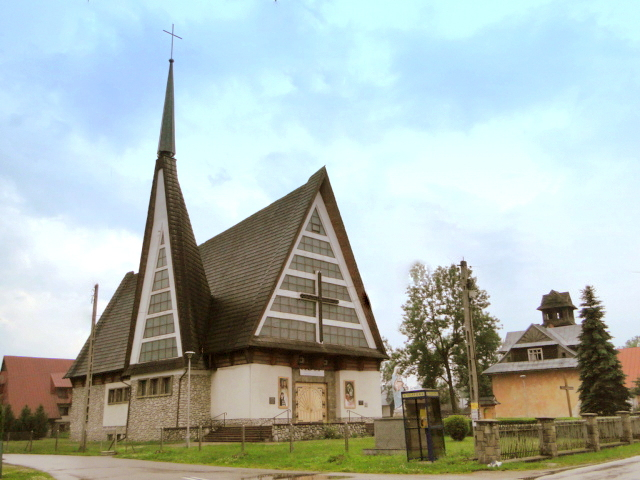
160, 302
159, 326
294, 305
344, 336
158, 350
311, 265
316, 246
289, 329
315, 225
161, 280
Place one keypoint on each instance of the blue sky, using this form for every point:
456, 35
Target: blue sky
504, 133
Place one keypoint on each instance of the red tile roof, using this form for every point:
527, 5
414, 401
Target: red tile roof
630, 359
31, 381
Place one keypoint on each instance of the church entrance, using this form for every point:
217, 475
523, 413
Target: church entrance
311, 402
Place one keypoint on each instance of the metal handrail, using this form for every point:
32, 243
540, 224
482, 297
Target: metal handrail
349, 412
276, 416
224, 419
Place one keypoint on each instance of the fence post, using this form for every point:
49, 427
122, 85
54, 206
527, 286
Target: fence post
627, 433
290, 437
549, 443
161, 437
487, 441
593, 432
57, 435
346, 437
243, 432
200, 437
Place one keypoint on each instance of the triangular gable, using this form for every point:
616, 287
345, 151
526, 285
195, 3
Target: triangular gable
245, 264
189, 292
534, 334
293, 313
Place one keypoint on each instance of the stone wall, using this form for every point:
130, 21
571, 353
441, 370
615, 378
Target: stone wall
315, 431
96, 410
148, 414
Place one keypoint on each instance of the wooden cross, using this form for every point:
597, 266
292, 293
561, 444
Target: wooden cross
172, 35
566, 388
320, 299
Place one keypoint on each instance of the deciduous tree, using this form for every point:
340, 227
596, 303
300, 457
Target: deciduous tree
602, 382
433, 322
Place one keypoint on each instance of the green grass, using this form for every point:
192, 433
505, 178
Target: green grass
13, 472
321, 455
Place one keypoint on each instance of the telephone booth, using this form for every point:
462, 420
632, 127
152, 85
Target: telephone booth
423, 426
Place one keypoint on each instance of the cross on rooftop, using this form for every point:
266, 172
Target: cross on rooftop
172, 35
320, 299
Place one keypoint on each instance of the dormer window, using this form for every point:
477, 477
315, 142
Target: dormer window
535, 354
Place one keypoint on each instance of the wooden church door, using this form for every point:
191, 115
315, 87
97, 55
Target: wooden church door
311, 402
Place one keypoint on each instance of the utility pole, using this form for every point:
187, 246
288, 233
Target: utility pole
470, 343
89, 377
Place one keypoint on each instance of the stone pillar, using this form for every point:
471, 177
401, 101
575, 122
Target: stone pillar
548, 445
593, 433
627, 433
487, 441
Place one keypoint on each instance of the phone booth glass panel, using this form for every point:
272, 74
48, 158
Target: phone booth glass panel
423, 426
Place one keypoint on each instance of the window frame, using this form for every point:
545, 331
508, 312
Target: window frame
535, 354
155, 387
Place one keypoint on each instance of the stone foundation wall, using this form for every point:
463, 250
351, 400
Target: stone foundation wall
316, 431
148, 414
96, 411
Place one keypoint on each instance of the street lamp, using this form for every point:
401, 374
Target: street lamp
189, 355
524, 394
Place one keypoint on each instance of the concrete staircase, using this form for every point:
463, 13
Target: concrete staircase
234, 434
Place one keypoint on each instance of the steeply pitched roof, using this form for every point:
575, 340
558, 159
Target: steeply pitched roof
112, 333
29, 381
630, 360
244, 263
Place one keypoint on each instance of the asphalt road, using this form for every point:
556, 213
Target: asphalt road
68, 467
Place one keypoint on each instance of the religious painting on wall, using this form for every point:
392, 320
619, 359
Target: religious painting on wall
349, 394
283, 392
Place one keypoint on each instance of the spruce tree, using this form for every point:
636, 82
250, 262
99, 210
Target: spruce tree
602, 389
40, 422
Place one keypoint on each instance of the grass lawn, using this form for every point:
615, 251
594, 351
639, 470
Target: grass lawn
320, 455
11, 472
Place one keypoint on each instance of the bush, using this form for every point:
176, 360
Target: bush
332, 431
457, 427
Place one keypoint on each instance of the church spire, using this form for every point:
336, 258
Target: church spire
167, 143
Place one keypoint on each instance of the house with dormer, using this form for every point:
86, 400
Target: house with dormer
271, 314
537, 373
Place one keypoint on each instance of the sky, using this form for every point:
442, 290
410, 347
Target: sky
503, 133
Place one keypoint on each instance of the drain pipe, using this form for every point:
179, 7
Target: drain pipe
179, 390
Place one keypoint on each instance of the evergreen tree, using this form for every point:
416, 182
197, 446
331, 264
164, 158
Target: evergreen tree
40, 422
602, 389
25, 420
9, 419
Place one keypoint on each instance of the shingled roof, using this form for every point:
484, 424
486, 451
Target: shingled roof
112, 333
555, 299
244, 263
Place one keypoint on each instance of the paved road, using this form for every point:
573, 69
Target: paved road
68, 467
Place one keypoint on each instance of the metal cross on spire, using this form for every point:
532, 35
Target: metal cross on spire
172, 35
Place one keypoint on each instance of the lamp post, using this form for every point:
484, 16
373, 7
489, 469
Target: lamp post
524, 394
189, 355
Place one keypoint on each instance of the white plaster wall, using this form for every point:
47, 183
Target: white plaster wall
114, 415
367, 389
243, 391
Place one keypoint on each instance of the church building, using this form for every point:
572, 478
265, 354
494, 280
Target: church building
272, 313
537, 375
